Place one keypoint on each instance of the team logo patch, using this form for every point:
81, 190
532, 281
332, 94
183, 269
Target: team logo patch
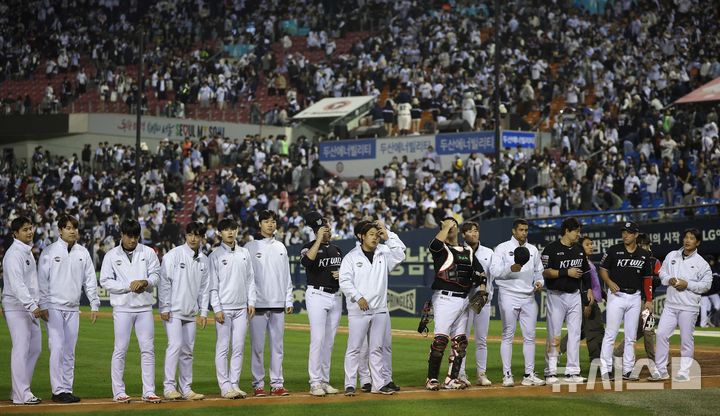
258, 255
673, 262
182, 265
358, 264
118, 262
224, 262
57, 259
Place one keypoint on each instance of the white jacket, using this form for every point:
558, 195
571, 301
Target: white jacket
484, 255
361, 279
117, 272
184, 284
693, 269
232, 279
62, 275
21, 281
273, 286
518, 283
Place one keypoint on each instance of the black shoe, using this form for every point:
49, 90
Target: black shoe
63, 398
75, 398
386, 390
393, 386
349, 391
366, 388
629, 377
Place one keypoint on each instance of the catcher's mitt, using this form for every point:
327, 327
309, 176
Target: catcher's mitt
427, 315
478, 300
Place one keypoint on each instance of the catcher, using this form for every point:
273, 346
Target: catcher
456, 273
646, 327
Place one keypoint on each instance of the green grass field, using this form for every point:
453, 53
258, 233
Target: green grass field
95, 345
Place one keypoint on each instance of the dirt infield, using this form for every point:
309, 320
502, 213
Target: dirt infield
415, 393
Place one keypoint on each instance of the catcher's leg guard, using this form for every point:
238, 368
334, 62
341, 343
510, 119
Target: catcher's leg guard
437, 349
459, 346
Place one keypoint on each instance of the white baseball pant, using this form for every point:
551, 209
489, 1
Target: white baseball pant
387, 356
232, 331
370, 328
450, 317
62, 329
672, 317
563, 306
123, 323
324, 310
481, 323
364, 364
181, 341
26, 339
707, 304
272, 323
626, 308
514, 308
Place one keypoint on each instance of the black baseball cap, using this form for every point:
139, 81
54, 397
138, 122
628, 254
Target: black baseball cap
630, 227
314, 219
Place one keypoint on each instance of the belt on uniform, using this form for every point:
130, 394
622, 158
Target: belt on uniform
628, 290
454, 294
331, 290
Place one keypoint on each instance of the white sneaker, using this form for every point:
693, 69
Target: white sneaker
573, 379
465, 381
231, 394
483, 380
659, 377
453, 384
172, 395
551, 379
193, 396
317, 390
532, 380
508, 380
329, 389
241, 394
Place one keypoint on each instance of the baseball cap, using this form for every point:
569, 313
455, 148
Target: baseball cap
314, 219
631, 227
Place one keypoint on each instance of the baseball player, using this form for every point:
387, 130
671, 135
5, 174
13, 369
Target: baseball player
481, 321
646, 324
20, 301
567, 279
274, 290
517, 270
323, 300
592, 324
626, 271
65, 267
687, 276
129, 272
183, 293
363, 279
456, 273
232, 296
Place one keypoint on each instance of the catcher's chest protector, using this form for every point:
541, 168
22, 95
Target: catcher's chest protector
458, 266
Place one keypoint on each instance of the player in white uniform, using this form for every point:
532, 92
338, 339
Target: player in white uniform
20, 303
129, 272
65, 267
232, 296
687, 276
363, 279
183, 293
481, 321
274, 290
517, 280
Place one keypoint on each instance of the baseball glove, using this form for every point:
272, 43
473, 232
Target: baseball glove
427, 315
478, 300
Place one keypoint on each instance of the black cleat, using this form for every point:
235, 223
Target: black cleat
393, 386
366, 388
349, 391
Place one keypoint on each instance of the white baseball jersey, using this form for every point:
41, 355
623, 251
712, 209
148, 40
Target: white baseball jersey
62, 273
361, 279
232, 279
522, 282
183, 289
693, 269
119, 269
21, 280
273, 285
